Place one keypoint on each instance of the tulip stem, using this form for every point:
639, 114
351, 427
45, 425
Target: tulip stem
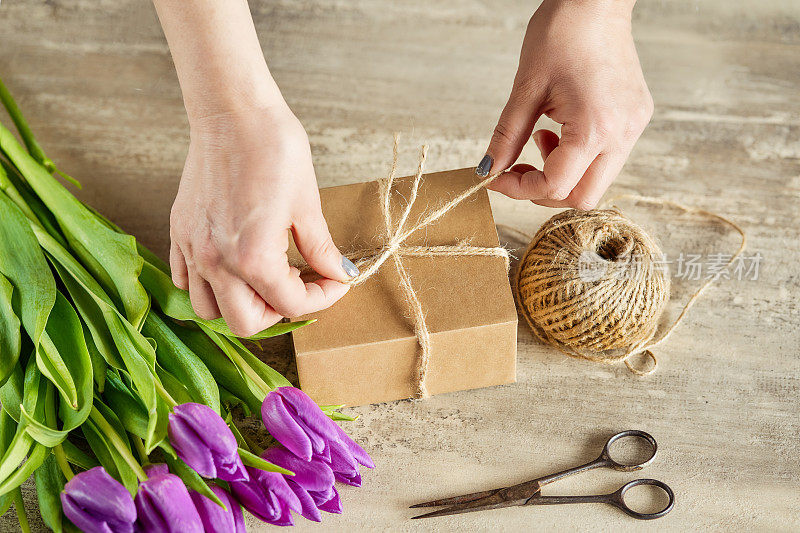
138, 443
22, 516
250, 372
123, 449
165, 395
61, 461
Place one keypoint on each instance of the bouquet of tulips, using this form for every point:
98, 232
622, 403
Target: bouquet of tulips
117, 398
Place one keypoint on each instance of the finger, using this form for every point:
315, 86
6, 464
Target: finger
177, 266
546, 141
202, 297
524, 183
281, 286
598, 177
315, 244
513, 129
567, 163
245, 312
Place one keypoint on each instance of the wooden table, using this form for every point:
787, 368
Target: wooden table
97, 83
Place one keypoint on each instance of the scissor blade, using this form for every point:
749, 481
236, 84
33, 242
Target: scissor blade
456, 499
495, 501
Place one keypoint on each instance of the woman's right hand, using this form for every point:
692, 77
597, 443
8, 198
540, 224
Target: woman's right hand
247, 182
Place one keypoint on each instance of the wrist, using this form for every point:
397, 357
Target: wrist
240, 124
607, 8
251, 94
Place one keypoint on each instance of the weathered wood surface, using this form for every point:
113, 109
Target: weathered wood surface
96, 80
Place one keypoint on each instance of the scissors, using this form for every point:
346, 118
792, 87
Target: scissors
529, 492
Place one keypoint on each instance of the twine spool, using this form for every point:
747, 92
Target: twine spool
590, 284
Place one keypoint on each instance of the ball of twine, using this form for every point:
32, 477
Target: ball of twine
590, 284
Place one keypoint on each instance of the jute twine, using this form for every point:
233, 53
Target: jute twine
370, 261
593, 284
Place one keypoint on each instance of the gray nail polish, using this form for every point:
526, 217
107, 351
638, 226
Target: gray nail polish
484, 166
349, 267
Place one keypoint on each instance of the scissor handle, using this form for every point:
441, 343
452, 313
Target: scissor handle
618, 499
629, 467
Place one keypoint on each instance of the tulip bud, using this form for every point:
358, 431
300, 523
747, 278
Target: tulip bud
164, 505
300, 425
96, 502
205, 442
267, 496
215, 518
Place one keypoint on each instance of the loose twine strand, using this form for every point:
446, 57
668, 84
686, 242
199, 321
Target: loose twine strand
370, 261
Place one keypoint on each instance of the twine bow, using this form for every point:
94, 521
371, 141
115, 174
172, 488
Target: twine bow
370, 261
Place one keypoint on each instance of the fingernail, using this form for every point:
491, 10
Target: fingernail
349, 268
484, 166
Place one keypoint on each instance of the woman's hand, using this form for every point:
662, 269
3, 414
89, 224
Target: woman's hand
579, 67
247, 182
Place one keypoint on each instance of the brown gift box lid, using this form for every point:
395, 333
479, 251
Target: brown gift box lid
363, 349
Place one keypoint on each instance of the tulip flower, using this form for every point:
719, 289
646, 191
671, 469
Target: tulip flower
267, 496
205, 442
312, 481
344, 465
164, 505
327, 501
215, 518
96, 502
300, 425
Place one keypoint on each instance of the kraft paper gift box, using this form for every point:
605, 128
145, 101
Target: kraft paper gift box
363, 349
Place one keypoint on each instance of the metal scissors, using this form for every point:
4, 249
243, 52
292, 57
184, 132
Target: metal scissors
529, 492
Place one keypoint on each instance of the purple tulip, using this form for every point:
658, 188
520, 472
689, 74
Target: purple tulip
344, 465
215, 518
164, 505
315, 474
328, 500
96, 502
300, 425
267, 496
312, 483
205, 442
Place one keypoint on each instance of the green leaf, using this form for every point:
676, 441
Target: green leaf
174, 386
113, 332
111, 256
8, 428
34, 396
255, 461
192, 479
272, 377
224, 371
22, 195
108, 456
99, 364
10, 335
78, 457
182, 363
49, 484
333, 414
129, 408
64, 327
13, 471
175, 303
11, 393
24, 266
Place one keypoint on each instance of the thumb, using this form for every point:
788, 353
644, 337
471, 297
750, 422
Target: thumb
315, 244
513, 130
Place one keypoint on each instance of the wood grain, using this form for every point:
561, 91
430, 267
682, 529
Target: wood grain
96, 81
